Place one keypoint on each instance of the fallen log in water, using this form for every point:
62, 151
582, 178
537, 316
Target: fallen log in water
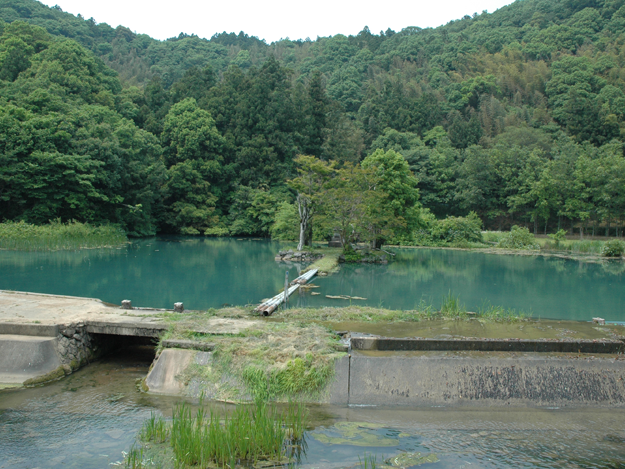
269, 306
304, 278
345, 297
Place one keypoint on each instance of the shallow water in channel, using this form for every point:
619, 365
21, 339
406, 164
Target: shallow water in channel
89, 418
209, 272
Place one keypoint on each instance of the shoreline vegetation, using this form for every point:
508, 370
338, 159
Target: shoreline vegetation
57, 236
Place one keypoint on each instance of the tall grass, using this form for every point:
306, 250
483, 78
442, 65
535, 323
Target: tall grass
499, 313
257, 432
154, 429
585, 246
58, 236
451, 306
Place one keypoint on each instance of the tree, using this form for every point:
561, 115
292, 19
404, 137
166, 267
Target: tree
313, 175
350, 204
193, 153
400, 195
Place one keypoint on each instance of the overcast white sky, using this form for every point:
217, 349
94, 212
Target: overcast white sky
272, 19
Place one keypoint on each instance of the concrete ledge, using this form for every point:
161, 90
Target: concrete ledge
531, 380
23, 358
37, 330
188, 344
487, 345
129, 329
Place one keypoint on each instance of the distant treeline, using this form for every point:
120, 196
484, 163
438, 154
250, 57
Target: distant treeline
518, 116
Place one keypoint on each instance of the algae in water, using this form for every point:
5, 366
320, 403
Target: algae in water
354, 434
404, 460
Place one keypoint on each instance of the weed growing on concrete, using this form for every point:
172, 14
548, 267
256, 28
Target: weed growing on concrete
266, 359
451, 307
297, 378
498, 313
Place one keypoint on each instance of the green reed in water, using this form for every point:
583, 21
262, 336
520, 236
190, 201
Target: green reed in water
251, 433
155, 429
369, 461
58, 236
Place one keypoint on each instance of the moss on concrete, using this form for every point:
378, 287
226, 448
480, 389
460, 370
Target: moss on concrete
53, 375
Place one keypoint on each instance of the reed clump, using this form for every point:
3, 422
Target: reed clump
252, 433
56, 236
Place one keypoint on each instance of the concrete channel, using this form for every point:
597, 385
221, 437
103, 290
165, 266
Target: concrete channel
45, 337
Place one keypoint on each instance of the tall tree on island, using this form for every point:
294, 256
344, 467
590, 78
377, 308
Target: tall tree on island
313, 175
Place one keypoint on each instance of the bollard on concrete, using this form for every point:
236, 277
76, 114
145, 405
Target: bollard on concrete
178, 307
126, 304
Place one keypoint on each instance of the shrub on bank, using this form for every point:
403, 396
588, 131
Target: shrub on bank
454, 230
56, 236
518, 238
451, 231
613, 248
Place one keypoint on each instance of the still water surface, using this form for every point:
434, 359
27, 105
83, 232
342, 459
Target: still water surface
205, 273
87, 419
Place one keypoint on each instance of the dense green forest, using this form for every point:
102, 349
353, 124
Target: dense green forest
518, 116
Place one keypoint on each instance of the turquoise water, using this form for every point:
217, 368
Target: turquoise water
205, 273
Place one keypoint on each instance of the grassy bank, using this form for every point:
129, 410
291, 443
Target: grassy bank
58, 236
271, 360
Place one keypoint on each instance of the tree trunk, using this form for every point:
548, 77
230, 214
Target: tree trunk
303, 206
535, 226
309, 235
607, 230
302, 235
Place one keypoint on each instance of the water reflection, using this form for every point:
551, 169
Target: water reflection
205, 273
539, 286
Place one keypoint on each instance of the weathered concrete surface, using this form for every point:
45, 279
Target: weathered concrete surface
488, 345
39, 314
23, 358
188, 345
338, 392
31, 308
487, 379
165, 375
163, 378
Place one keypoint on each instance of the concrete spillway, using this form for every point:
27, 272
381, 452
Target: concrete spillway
44, 337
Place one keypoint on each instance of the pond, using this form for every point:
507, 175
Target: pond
87, 419
205, 273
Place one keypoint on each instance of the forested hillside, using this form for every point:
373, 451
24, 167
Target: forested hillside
517, 115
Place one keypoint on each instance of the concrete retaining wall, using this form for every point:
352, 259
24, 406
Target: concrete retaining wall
436, 380
488, 345
23, 358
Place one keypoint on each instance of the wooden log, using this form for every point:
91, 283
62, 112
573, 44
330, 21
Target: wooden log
268, 307
304, 278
